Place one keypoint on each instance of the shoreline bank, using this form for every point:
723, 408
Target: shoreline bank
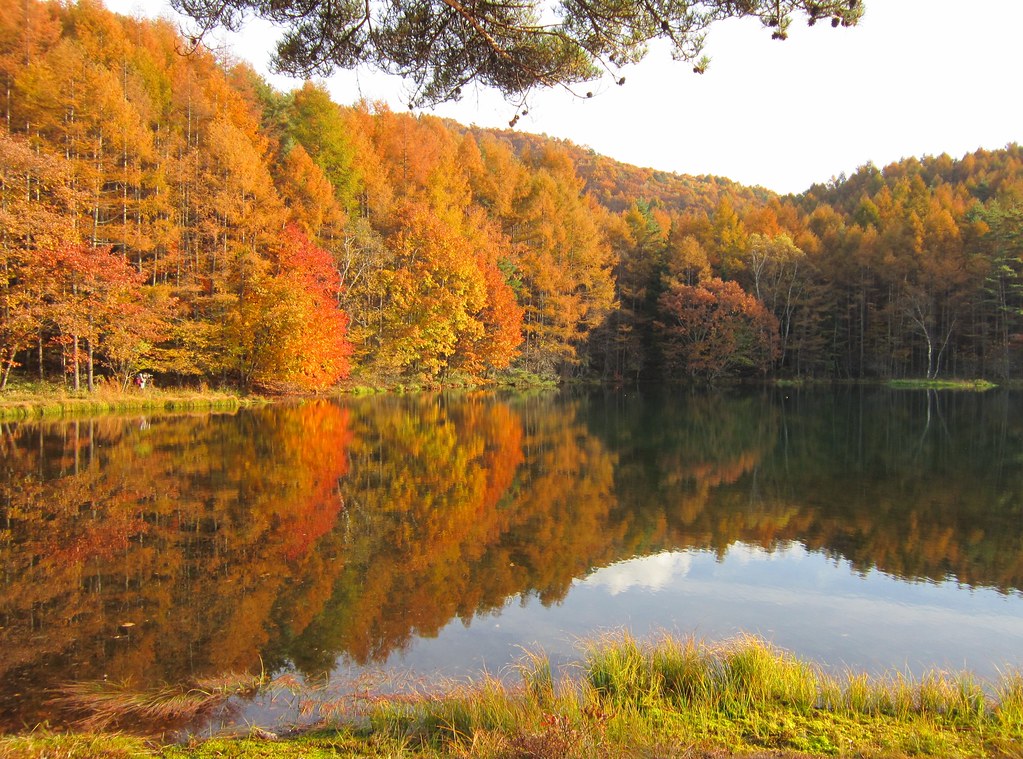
55, 401
56, 405
666, 698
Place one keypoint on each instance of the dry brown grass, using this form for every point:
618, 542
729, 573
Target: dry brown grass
100, 705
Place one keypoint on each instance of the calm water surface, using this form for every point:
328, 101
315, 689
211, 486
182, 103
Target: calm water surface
439, 535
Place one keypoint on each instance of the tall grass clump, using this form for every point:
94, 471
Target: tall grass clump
744, 674
957, 698
1009, 697
619, 671
756, 674
491, 718
537, 676
454, 717
686, 671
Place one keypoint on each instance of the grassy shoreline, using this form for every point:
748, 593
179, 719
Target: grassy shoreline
27, 401
970, 385
55, 402
42, 400
665, 698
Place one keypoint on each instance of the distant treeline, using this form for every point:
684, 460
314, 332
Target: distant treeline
174, 213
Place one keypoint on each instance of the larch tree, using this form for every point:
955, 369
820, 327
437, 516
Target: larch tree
309, 197
37, 207
564, 264
434, 295
1000, 244
316, 123
93, 297
777, 270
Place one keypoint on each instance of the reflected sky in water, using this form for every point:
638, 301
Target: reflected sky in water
805, 602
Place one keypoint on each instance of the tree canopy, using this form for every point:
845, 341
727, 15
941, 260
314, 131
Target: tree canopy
443, 45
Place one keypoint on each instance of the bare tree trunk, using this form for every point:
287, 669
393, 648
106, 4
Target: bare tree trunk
944, 344
8, 365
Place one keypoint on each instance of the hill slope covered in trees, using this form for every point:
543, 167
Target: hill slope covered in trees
174, 214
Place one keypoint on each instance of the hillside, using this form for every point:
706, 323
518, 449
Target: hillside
617, 186
175, 215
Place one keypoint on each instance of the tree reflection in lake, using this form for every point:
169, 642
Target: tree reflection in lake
153, 552
295, 535
918, 487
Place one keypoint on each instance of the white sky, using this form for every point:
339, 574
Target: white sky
914, 78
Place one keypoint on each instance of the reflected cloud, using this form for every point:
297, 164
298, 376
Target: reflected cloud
747, 553
663, 570
653, 573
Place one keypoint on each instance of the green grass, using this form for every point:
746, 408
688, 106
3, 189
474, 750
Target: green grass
43, 743
366, 389
975, 385
628, 698
794, 382
522, 378
668, 696
40, 400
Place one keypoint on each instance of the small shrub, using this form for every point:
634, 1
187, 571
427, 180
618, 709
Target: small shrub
557, 738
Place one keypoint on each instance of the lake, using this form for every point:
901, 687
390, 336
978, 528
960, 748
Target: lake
440, 535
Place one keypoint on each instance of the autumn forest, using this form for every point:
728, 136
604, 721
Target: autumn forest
175, 214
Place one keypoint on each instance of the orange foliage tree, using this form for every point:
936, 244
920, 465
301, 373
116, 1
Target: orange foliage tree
714, 329
95, 302
286, 329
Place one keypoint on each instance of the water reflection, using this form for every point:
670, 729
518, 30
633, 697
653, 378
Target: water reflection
155, 554
171, 548
810, 603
